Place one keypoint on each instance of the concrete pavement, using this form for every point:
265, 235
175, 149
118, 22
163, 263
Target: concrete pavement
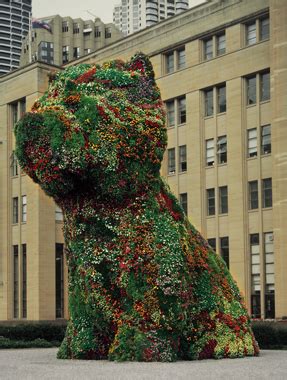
34, 364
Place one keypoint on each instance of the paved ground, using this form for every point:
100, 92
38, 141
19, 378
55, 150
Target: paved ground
42, 364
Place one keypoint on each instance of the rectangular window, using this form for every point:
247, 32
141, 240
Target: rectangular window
253, 195
209, 152
224, 249
183, 201
14, 110
65, 26
251, 33
267, 192
266, 139
251, 90
255, 276
181, 110
76, 28
210, 195
264, 29
208, 98
169, 63
15, 210
59, 280
97, 31
222, 150
24, 209
252, 142
58, 214
24, 281
182, 159
220, 44
171, 161
170, 113
212, 243
76, 52
223, 200
221, 99
15, 281
264, 87
14, 165
108, 32
181, 59
269, 275
65, 54
208, 49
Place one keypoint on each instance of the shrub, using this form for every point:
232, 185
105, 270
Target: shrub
6, 343
270, 335
32, 331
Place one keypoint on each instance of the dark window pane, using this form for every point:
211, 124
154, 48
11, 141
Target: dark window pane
267, 192
224, 249
171, 161
222, 149
223, 200
210, 193
265, 86
264, 29
183, 201
212, 243
221, 91
253, 195
208, 49
251, 90
59, 280
208, 96
182, 158
266, 139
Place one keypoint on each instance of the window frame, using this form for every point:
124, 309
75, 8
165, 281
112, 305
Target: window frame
223, 199
24, 209
263, 135
267, 196
221, 145
171, 161
182, 158
210, 202
249, 145
251, 198
209, 162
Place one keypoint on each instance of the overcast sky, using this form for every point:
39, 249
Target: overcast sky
75, 8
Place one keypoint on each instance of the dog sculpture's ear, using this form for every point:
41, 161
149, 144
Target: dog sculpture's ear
141, 62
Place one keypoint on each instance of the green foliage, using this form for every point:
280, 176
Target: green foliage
6, 343
143, 283
270, 335
31, 332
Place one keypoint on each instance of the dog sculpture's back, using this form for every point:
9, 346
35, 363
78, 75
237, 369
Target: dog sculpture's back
143, 283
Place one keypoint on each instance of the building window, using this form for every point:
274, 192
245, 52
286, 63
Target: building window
65, 26
253, 195
267, 192
76, 52
65, 54
97, 31
265, 86
14, 111
264, 29
181, 103
171, 161
14, 165
251, 90
58, 214
221, 99
24, 209
210, 194
208, 98
224, 249
212, 243
266, 139
222, 150
15, 210
59, 280
182, 159
209, 152
183, 202
255, 276
76, 28
181, 59
87, 51
251, 33
15, 281
252, 142
46, 52
108, 32
169, 63
223, 200
269, 275
170, 113
208, 49
220, 44
24, 281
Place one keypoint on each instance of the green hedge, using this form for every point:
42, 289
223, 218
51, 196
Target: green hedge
270, 335
37, 343
32, 331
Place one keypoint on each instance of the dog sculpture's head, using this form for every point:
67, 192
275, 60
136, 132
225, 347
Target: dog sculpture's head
97, 128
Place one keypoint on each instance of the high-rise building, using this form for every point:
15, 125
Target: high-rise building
133, 15
58, 40
221, 69
14, 26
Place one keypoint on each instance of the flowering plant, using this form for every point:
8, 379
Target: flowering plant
143, 283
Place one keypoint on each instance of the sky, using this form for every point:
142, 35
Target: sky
75, 8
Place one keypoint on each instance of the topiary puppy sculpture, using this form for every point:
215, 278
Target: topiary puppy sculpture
143, 283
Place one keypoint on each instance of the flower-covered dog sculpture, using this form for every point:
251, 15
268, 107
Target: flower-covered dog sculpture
143, 283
